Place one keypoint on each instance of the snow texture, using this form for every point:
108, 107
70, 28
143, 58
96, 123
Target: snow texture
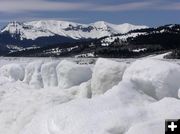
13, 72
133, 100
156, 78
71, 74
106, 74
33, 74
49, 75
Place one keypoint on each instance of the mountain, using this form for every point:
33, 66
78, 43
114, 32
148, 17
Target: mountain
46, 28
135, 43
20, 35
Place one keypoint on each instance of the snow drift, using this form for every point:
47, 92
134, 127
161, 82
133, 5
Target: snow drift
71, 74
106, 74
13, 72
154, 77
121, 110
133, 100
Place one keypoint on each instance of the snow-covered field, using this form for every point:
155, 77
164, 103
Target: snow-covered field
88, 96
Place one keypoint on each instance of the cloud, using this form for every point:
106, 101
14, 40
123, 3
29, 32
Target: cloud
17, 6
123, 7
170, 6
24, 19
14, 6
40, 5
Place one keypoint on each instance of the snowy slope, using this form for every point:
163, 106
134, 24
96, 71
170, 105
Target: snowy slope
45, 28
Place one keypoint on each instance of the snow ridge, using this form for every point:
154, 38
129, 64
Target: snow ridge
121, 97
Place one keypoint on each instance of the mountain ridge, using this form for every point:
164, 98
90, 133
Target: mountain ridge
45, 28
136, 43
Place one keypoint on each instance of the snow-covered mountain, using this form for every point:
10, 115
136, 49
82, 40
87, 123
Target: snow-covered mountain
47, 28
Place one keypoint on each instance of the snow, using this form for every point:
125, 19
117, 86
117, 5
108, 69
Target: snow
131, 97
45, 28
158, 79
84, 90
108, 40
49, 75
13, 72
97, 116
33, 74
86, 55
70, 74
139, 50
106, 74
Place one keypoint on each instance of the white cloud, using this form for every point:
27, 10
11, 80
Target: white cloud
40, 5
14, 6
170, 6
124, 7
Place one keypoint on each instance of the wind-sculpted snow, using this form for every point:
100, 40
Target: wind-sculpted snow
33, 74
118, 99
156, 78
106, 74
13, 72
71, 74
49, 75
119, 110
85, 90
38, 74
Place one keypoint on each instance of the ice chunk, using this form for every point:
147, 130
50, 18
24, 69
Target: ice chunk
70, 74
106, 74
154, 77
12, 71
49, 75
33, 74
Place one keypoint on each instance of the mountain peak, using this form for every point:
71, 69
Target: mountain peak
13, 27
45, 28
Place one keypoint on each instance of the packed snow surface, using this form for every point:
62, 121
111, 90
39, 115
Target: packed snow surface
72, 96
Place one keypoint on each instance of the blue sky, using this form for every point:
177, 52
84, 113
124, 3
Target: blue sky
148, 12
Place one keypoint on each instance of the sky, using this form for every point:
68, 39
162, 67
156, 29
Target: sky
146, 12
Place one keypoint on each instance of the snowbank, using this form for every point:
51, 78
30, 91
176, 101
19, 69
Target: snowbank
132, 106
49, 75
70, 74
19, 103
122, 109
13, 72
154, 77
33, 74
106, 74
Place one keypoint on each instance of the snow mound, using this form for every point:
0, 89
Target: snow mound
154, 77
157, 113
33, 74
71, 74
49, 75
121, 110
114, 112
13, 72
106, 74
